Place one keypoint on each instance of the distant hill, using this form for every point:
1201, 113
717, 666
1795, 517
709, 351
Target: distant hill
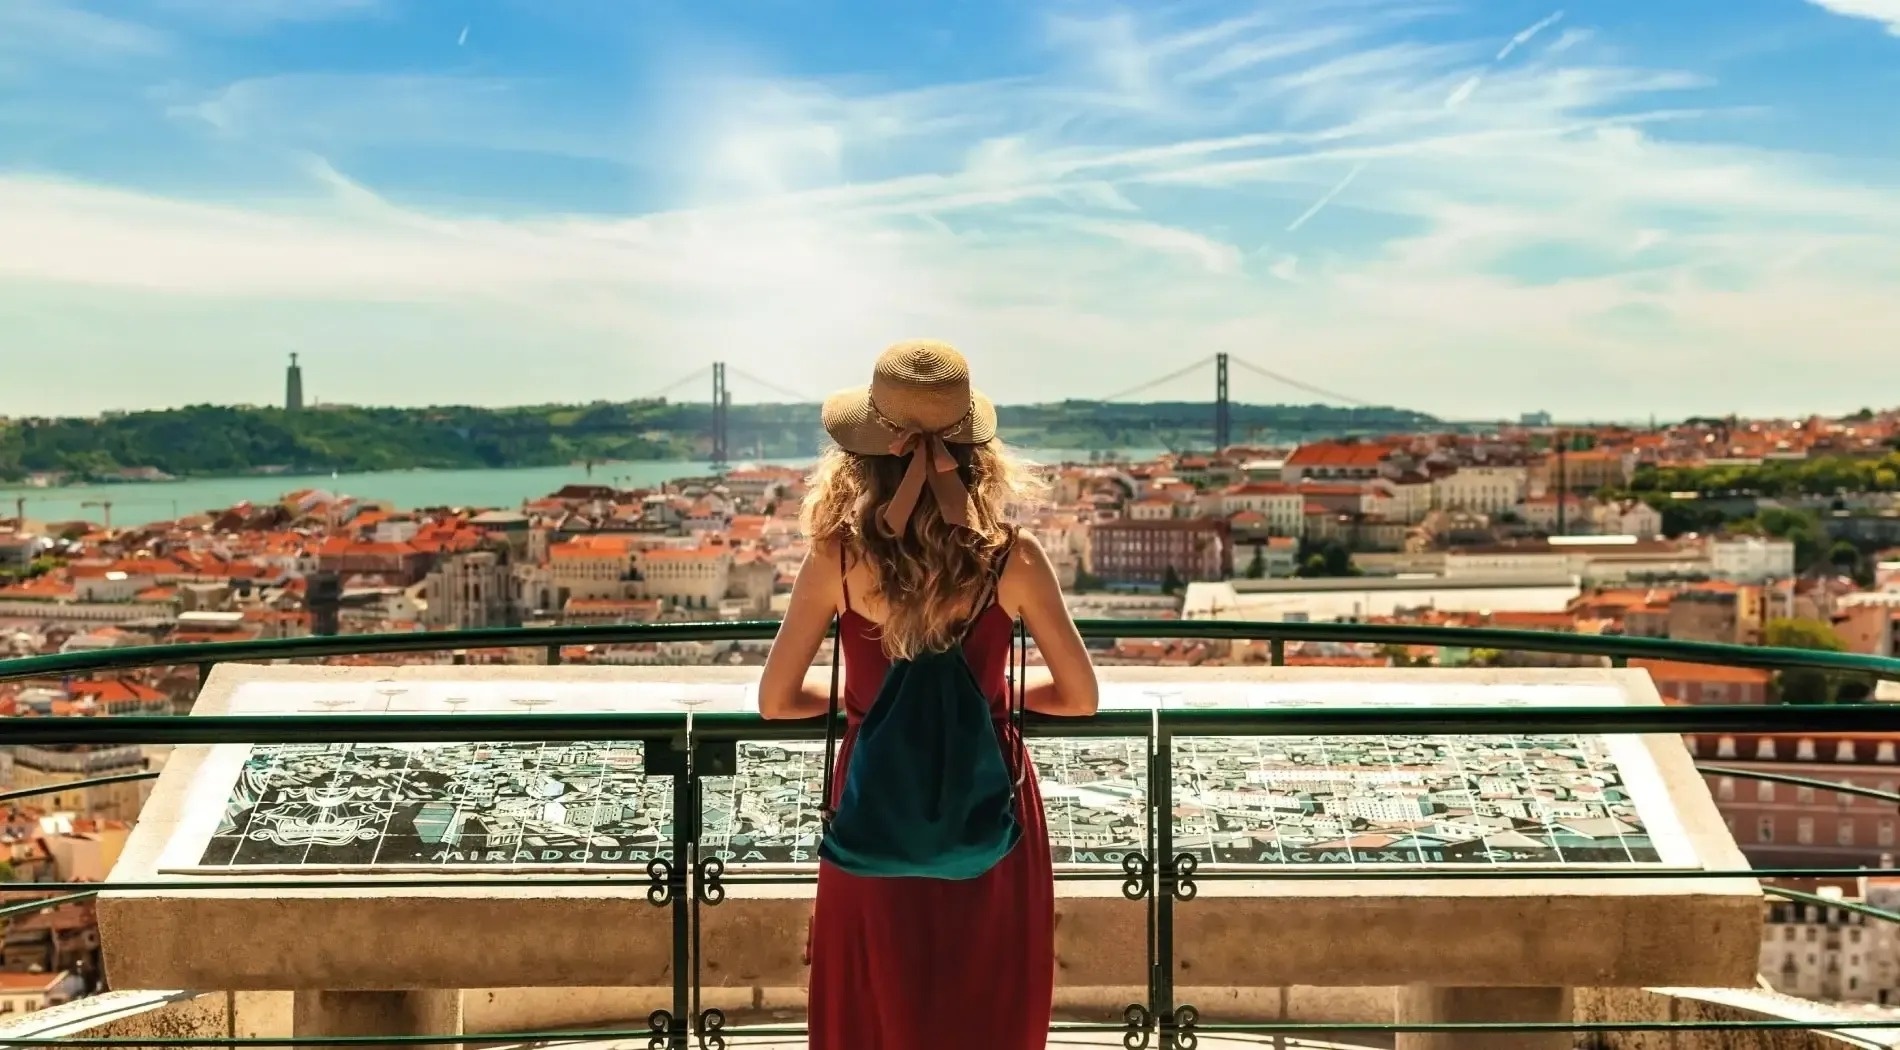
216, 439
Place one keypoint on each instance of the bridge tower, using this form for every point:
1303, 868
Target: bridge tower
1223, 417
721, 403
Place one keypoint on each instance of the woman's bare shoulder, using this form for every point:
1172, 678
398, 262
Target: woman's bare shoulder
829, 551
1026, 558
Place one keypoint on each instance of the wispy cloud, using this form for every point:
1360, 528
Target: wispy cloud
1886, 12
1525, 35
255, 14
57, 30
1320, 205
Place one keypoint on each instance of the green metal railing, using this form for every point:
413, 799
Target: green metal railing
1157, 876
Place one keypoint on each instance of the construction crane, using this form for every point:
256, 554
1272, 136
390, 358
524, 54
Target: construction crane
106, 504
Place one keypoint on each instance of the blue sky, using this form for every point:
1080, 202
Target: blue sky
1608, 209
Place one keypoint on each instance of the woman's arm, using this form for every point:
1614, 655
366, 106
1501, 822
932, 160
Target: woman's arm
1066, 685
790, 687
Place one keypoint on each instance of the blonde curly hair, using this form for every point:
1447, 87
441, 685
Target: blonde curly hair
928, 575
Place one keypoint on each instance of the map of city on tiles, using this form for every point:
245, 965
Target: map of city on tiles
1444, 802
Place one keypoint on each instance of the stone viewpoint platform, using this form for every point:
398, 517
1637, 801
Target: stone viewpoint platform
1259, 814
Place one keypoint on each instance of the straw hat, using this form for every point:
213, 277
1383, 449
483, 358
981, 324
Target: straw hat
919, 401
918, 387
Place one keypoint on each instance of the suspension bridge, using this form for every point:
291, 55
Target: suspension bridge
1213, 418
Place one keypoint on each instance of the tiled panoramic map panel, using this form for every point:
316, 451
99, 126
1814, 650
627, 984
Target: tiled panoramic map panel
1434, 801
1269, 801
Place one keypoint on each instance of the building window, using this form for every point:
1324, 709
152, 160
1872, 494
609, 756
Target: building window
1844, 751
1844, 833
1725, 787
1765, 748
1725, 747
1804, 831
1884, 753
1804, 794
1764, 791
1883, 835
1842, 798
1804, 751
1765, 829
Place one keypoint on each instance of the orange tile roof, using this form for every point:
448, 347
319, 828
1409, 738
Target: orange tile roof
1675, 671
684, 553
1341, 454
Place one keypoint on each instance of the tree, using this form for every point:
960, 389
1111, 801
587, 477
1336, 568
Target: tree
1796, 632
1257, 566
1844, 555
1171, 582
1805, 685
1328, 558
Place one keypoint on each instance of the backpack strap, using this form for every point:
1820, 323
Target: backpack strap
837, 666
1018, 674
831, 723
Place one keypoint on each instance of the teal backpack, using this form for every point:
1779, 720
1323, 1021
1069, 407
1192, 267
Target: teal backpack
928, 793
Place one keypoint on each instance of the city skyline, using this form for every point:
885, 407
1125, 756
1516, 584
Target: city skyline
1469, 211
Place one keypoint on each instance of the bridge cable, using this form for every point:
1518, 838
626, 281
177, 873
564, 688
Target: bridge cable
1309, 388
1150, 384
797, 397
696, 374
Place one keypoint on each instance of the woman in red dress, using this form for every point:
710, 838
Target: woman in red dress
911, 553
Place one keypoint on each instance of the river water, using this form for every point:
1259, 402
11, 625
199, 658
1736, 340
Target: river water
136, 503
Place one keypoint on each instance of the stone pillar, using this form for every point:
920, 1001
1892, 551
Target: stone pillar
433, 1011
1426, 1004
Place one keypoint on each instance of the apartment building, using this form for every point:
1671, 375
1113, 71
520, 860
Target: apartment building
1489, 490
1786, 825
1142, 552
1827, 952
686, 577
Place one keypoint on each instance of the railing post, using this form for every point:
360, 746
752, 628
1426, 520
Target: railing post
554, 655
1276, 651
711, 758
671, 756
1161, 901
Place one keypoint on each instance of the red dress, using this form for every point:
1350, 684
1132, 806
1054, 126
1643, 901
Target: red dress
934, 964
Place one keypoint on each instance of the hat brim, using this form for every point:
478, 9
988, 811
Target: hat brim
848, 417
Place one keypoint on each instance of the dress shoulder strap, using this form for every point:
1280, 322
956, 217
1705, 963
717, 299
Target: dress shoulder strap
991, 582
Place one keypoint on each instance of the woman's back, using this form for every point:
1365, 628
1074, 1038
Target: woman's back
911, 555
986, 643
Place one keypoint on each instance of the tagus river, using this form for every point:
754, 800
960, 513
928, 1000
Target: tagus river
137, 503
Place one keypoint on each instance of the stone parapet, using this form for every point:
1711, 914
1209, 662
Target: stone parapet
186, 1015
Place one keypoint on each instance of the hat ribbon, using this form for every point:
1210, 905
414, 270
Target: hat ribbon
930, 461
